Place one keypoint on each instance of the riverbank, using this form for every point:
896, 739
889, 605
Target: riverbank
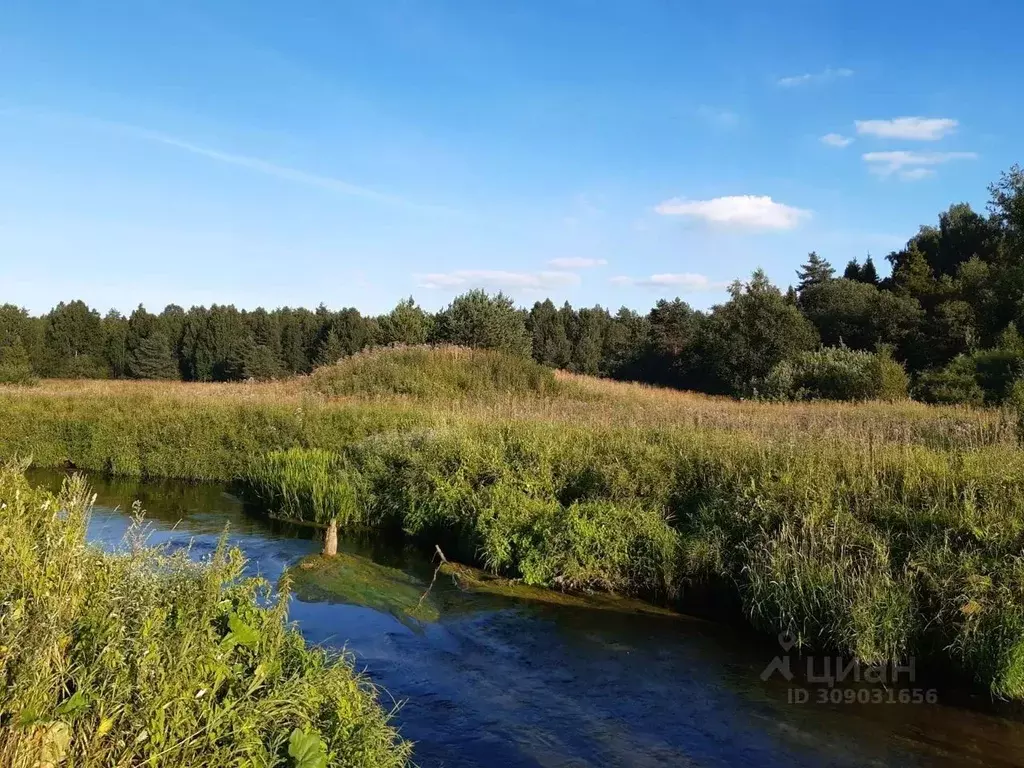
146, 656
879, 530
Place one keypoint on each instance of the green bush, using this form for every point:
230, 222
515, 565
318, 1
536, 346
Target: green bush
953, 385
148, 658
996, 370
986, 375
837, 373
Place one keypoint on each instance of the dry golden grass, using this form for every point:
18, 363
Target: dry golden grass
284, 390
588, 401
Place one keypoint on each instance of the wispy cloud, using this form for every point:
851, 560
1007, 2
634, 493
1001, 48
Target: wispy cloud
497, 279
913, 128
717, 116
688, 282
738, 211
911, 165
576, 262
287, 173
248, 162
809, 78
836, 140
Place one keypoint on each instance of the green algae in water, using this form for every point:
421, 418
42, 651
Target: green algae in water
475, 581
458, 589
354, 580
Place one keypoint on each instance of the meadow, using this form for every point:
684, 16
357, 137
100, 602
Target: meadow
880, 530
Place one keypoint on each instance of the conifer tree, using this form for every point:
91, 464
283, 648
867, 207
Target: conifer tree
151, 358
816, 270
14, 363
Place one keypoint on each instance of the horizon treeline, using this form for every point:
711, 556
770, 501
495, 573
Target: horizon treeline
948, 312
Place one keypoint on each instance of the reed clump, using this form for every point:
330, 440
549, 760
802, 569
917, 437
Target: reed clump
141, 657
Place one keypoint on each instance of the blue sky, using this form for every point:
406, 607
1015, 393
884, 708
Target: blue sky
353, 153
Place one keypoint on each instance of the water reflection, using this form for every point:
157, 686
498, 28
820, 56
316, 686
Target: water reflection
493, 681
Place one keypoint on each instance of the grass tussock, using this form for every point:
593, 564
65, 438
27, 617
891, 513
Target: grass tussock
882, 530
149, 658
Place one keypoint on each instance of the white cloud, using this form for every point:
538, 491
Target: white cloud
686, 281
496, 279
910, 165
813, 77
836, 140
739, 211
721, 118
576, 262
915, 128
915, 174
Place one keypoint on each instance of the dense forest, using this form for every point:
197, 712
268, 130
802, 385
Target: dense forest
943, 326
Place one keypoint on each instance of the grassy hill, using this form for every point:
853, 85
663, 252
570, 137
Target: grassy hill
435, 373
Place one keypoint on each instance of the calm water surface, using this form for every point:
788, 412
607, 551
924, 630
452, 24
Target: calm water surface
499, 682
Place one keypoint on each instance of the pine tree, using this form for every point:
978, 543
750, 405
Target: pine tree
478, 320
816, 270
407, 323
550, 341
589, 341
151, 358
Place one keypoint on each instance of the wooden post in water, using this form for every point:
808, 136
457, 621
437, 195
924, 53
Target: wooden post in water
331, 538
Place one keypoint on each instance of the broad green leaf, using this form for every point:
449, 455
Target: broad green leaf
240, 633
307, 750
71, 706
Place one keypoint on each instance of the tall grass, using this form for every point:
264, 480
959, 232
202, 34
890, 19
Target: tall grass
148, 658
307, 485
879, 529
441, 372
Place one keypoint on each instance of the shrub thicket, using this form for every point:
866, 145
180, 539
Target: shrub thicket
837, 373
955, 384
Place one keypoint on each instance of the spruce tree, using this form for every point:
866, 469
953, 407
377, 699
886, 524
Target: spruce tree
816, 270
329, 349
261, 364
151, 358
868, 273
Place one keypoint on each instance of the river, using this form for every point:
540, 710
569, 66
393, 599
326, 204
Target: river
495, 681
